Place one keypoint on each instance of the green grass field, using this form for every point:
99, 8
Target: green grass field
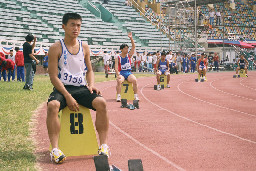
16, 109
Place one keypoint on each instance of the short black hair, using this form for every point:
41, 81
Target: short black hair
163, 53
17, 48
123, 46
69, 16
29, 38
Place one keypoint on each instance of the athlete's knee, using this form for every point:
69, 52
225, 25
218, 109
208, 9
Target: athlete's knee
99, 103
53, 107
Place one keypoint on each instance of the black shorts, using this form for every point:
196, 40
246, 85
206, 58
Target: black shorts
241, 66
81, 94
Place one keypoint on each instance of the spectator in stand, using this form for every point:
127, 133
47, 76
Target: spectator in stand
218, 20
45, 64
200, 18
11, 73
216, 62
28, 57
2, 71
19, 61
211, 14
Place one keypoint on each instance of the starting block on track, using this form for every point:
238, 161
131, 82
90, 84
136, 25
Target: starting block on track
242, 73
77, 135
198, 79
102, 164
163, 80
127, 90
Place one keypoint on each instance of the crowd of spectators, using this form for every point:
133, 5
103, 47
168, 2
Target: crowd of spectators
179, 62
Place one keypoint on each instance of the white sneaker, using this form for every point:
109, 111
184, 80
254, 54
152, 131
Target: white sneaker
118, 98
136, 97
57, 155
104, 150
158, 87
168, 86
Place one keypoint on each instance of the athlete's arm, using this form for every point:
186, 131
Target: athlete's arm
238, 61
133, 45
168, 69
246, 62
116, 67
197, 65
53, 57
157, 64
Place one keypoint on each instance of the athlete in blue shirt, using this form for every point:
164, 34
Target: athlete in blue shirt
123, 69
162, 68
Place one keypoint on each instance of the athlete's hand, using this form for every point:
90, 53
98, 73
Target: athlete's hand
130, 35
72, 103
92, 88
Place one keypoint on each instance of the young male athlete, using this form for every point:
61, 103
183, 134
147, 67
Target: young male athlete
242, 63
202, 65
68, 59
123, 69
162, 68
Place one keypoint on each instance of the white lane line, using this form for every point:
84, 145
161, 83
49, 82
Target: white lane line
195, 122
229, 93
214, 103
143, 145
246, 85
146, 148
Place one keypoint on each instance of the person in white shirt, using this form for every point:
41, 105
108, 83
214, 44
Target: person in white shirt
106, 59
11, 73
149, 62
211, 14
137, 61
156, 56
143, 61
218, 21
71, 74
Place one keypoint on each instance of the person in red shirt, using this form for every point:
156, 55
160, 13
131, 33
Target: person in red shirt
202, 65
216, 62
6, 64
19, 61
2, 72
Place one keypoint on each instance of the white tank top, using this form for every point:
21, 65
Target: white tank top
72, 68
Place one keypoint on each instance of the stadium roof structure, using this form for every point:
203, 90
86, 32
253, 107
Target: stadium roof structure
192, 2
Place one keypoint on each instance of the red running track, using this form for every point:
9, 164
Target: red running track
191, 126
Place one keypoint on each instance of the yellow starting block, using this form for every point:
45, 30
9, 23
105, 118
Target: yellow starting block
242, 73
77, 135
127, 90
199, 75
163, 80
